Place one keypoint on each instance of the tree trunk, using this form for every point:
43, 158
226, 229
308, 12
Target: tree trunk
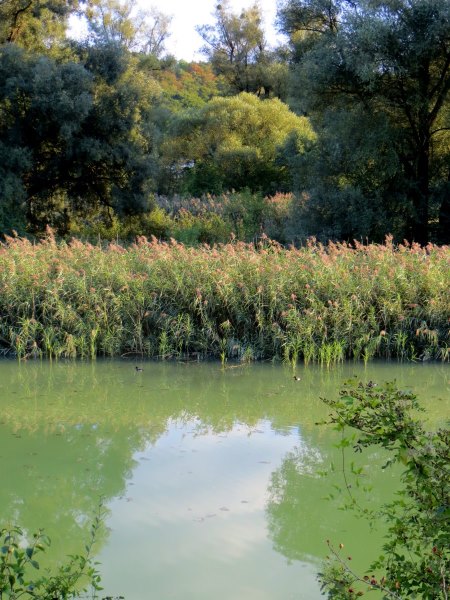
422, 195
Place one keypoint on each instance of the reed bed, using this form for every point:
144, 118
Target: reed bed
233, 301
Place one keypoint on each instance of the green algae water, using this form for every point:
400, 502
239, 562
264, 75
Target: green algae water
213, 479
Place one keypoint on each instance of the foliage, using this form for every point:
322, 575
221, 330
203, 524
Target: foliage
209, 219
112, 163
18, 565
75, 137
89, 130
188, 85
43, 105
165, 299
37, 25
235, 47
380, 71
233, 143
416, 555
118, 22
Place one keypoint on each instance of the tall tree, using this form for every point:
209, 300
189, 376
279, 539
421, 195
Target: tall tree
188, 85
236, 47
121, 22
389, 62
76, 139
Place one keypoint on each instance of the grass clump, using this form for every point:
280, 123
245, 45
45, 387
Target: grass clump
318, 303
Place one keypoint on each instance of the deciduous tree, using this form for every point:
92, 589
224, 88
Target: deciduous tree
121, 22
34, 24
387, 62
234, 143
236, 48
75, 138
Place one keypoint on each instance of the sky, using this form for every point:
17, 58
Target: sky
184, 42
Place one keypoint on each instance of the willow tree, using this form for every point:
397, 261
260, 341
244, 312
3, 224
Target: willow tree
35, 24
237, 49
121, 22
384, 64
76, 139
235, 143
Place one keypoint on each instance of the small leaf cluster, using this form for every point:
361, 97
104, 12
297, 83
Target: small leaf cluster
416, 554
18, 568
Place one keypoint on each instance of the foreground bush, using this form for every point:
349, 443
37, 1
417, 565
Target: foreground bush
20, 575
158, 299
416, 555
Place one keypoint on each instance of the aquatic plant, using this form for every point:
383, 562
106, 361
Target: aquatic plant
241, 301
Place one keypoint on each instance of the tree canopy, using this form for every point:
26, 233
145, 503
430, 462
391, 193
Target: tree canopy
34, 24
387, 64
121, 22
75, 137
237, 49
234, 143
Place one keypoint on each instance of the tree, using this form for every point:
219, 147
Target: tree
234, 143
388, 60
76, 139
236, 48
416, 556
42, 107
34, 24
112, 165
119, 22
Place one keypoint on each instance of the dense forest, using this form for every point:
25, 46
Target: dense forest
341, 133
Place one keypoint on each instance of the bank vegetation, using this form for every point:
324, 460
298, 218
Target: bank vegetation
233, 301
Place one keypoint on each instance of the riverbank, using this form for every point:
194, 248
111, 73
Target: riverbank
232, 301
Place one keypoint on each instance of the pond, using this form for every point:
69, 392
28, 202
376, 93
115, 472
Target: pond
213, 479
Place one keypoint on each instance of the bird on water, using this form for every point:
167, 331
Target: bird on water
296, 378
139, 369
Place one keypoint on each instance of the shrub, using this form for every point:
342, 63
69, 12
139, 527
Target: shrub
20, 575
416, 555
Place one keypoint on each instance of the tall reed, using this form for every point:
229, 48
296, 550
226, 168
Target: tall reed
231, 301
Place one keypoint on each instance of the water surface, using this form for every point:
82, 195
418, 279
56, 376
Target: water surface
211, 478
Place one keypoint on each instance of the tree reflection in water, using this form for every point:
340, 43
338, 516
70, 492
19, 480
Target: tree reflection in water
69, 434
